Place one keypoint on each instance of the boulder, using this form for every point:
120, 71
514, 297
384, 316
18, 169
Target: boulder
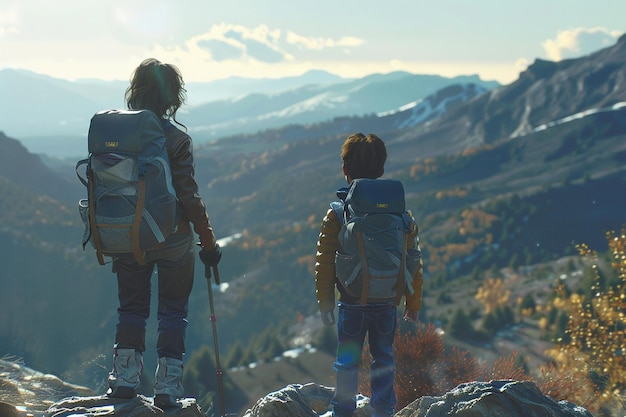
296, 400
24, 391
493, 399
103, 406
9, 410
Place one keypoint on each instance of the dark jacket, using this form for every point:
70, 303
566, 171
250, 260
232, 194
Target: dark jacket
193, 209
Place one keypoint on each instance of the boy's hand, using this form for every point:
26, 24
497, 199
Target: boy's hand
328, 318
411, 315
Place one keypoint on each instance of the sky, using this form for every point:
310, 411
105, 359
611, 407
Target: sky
210, 40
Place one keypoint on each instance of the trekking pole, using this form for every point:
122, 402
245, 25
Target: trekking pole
207, 274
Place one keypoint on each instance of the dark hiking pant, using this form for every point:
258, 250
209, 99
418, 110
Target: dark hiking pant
175, 268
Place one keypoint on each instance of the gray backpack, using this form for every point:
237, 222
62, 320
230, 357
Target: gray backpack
374, 264
131, 205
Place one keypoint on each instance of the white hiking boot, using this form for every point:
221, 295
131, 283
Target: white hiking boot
124, 378
168, 387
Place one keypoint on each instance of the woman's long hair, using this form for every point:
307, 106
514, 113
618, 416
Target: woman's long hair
157, 87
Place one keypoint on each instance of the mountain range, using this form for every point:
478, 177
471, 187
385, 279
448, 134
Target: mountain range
497, 176
51, 116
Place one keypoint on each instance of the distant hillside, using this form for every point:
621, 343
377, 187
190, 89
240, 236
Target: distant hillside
28, 171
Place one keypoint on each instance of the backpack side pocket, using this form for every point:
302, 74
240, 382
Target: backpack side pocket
348, 268
83, 210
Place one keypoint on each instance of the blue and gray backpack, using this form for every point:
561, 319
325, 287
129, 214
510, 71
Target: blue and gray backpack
131, 205
374, 264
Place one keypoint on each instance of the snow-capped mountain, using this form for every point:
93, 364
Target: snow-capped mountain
53, 114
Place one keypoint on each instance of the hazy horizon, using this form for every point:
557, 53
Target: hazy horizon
251, 40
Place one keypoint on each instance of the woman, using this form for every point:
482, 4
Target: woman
159, 87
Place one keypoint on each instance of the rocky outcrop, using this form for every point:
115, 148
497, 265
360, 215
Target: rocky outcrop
24, 393
296, 400
103, 406
474, 399
493, 399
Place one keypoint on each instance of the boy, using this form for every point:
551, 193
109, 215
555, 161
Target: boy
363, 157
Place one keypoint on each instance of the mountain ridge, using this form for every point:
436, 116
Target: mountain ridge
30, 117
544, 93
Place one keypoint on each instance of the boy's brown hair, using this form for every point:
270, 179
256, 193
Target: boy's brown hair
363, 156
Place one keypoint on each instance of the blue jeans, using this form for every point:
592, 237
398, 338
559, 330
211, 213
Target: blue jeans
353, 322
175, 268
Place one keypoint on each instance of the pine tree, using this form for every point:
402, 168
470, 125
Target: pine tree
235, 355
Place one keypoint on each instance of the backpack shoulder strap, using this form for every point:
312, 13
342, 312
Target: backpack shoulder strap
92, 222
401, 284
141, 199
78, 165
338, 207
364, 270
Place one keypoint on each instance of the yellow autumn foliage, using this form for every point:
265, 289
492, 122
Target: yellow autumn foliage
595, 348
493, 294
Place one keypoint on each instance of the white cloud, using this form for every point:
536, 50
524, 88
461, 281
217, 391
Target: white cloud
320, 43
576, 42
236, 42
227, 49
261, 43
